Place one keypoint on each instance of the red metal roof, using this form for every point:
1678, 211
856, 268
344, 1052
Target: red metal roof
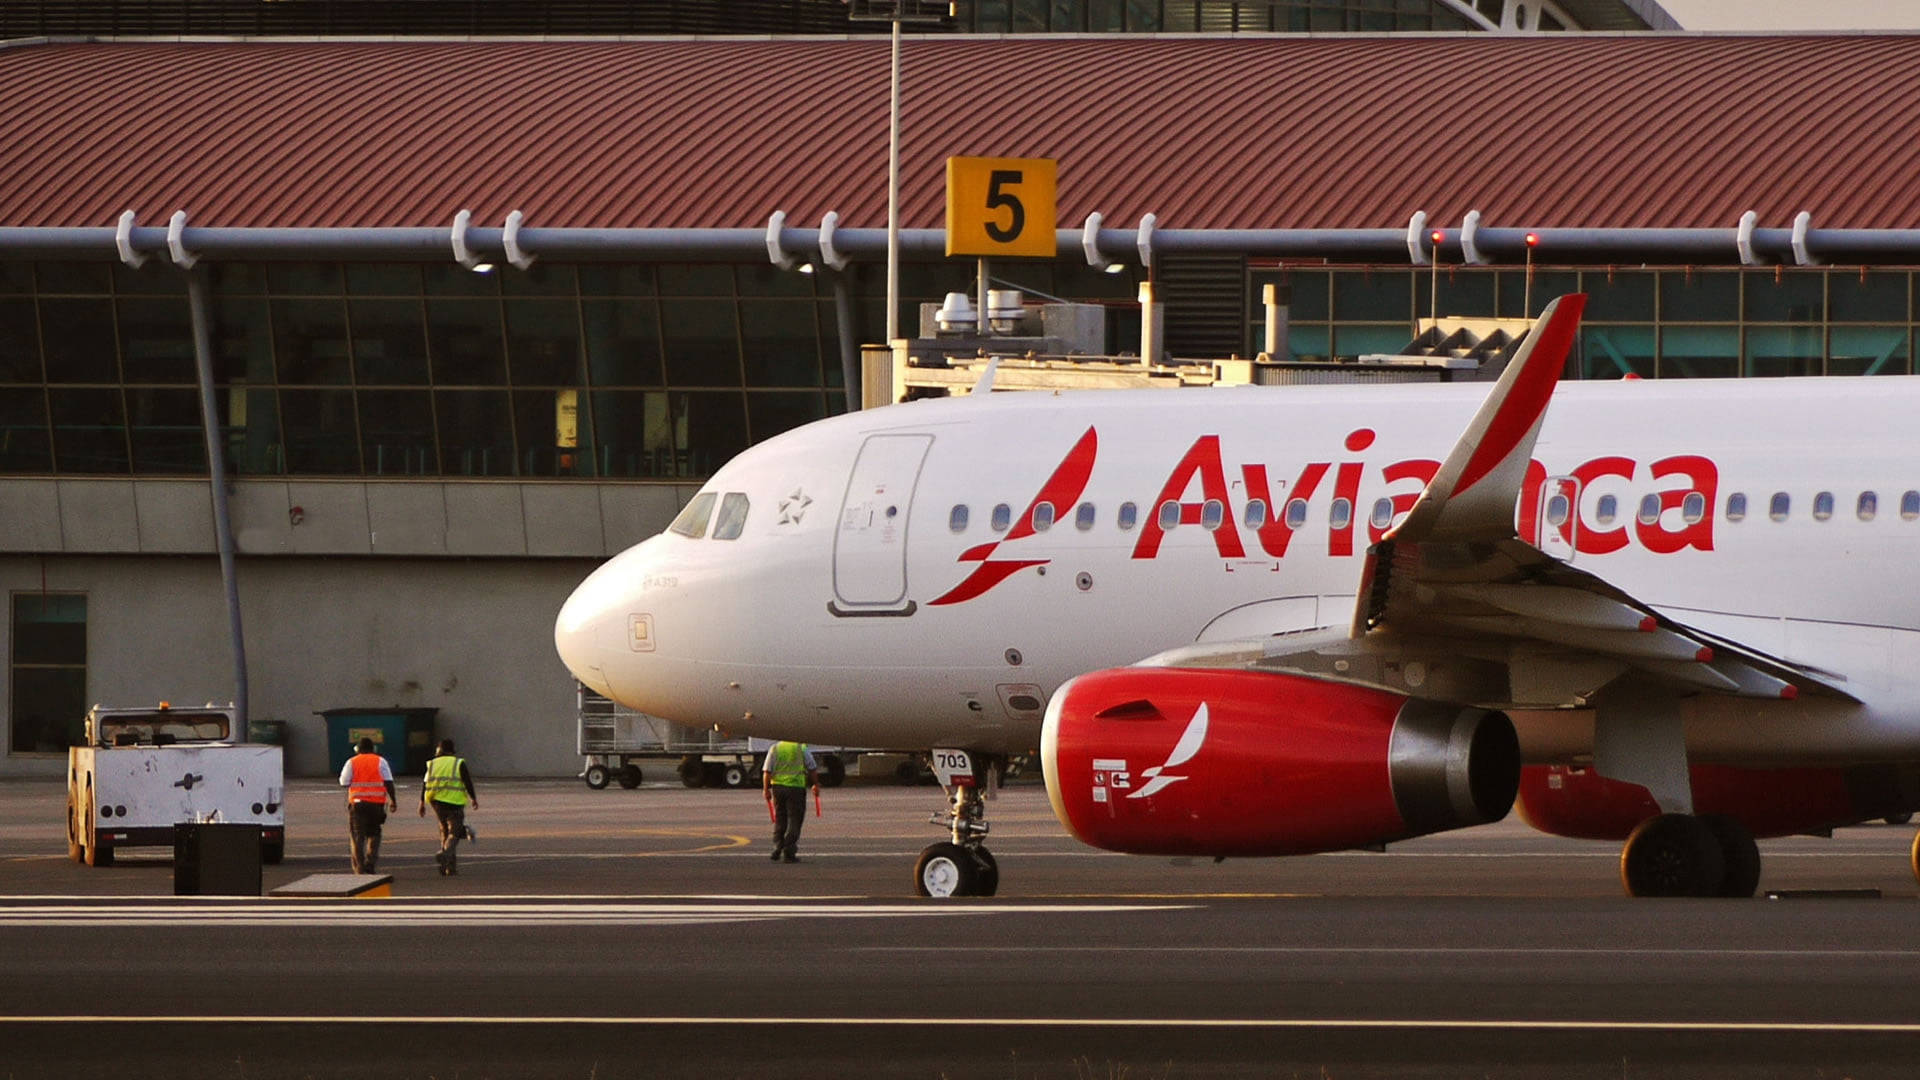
1270, 132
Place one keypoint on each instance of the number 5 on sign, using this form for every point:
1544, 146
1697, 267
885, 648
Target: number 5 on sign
1000, 206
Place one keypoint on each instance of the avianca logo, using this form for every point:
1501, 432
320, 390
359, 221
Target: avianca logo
1200, 477
1062, 489
1111, 775
1183, 751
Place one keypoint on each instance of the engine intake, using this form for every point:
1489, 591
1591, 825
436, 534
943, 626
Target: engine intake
1171, 761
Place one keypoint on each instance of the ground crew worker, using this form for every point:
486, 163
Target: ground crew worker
449, 787
370, 794
785, 776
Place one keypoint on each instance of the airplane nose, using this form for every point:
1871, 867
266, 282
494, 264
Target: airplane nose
591, 629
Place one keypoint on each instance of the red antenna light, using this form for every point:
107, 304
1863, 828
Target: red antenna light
1532, 239
1438, 236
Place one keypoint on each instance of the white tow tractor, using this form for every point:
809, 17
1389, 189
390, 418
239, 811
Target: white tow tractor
145, 770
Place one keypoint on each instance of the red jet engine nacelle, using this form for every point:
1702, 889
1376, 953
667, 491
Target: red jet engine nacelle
1173, 761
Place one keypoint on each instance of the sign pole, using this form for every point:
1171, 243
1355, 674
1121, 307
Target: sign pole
893, 193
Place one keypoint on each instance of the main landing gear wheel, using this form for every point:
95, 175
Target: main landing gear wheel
1673, 855
596, 777
944, 870
1740, 856
629, 776
693, 772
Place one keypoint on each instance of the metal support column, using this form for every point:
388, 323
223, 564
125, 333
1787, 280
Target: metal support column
849, 347
217, 474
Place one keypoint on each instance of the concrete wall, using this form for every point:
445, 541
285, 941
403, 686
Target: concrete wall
88, 516
376, 593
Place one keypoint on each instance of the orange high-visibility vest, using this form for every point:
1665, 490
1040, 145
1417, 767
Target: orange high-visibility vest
367, 785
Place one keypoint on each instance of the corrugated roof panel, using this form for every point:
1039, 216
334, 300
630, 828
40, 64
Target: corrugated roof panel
1254, 132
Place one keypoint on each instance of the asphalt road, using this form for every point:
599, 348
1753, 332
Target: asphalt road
644, 933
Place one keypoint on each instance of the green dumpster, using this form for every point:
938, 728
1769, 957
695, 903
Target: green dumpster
404, 736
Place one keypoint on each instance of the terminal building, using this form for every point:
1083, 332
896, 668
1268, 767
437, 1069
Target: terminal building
425, 455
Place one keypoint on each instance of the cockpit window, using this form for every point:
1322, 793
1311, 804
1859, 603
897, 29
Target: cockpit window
733, 516
692, 522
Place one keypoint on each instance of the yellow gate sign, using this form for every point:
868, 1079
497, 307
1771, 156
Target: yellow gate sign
1000, 206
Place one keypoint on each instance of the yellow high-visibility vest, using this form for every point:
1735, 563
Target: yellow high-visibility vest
443, 780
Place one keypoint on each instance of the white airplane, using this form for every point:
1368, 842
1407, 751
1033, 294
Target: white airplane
1264, 620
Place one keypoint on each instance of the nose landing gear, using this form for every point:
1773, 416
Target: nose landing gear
961, 866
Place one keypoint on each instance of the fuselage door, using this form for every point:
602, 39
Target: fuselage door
870, 544
1557, 520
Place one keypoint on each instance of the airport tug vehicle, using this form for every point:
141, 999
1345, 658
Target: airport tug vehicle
145, 770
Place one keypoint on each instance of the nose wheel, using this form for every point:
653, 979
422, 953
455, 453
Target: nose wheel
961, 865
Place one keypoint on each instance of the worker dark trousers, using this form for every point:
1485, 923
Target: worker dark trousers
363, 827
789, 813
453, 825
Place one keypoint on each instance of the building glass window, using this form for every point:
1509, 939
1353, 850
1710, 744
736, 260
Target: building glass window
76, 335
396, 433
464, 342
770, 412
1784, 350
1618, 296
702, 342
89, 430
19, 342
24, 446
1868, 350
1701, 295
47, 706
1614, 352
319, 432
156, 341
310, 342
543, 343
1699, 352
389, 342
164, 427
1793, 296
476, 432
1875, 296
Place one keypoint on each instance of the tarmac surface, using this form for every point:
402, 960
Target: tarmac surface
645, 933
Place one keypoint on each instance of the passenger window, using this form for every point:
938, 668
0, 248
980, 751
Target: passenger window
1256, 516
1557, 508
1296, 513
1868, 506
1213, 514
1128, 516
1737, 506
1002, 517
1083, 517
733, 516
1910, 506
1650, 508
1777, 509
957, 518
692, 521
1823, 506
1382, 515
1169, 515
1042, 516
1341, 515
1606, 509
1693, 507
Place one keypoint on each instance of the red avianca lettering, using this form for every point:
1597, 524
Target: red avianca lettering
1200, 477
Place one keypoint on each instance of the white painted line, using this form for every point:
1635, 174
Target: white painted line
1277, 1023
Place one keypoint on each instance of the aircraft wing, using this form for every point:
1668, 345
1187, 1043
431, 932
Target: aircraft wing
1454, 605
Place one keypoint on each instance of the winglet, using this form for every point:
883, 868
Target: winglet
1473, 493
